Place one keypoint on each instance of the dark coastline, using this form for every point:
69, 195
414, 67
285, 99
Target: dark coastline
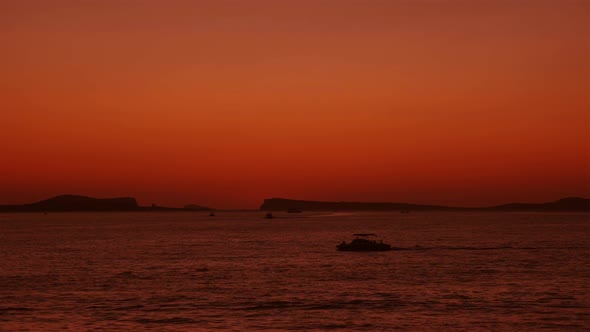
77, 203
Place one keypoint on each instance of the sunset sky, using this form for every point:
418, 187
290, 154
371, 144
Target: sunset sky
225, 103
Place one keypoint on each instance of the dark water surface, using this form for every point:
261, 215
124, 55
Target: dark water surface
237, 271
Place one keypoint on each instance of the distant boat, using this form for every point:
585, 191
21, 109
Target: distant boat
212, 214
363, 242
269, 216
294, 211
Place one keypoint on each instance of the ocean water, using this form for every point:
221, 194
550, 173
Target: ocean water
238, 271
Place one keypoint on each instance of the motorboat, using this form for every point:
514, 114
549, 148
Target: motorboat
364, 242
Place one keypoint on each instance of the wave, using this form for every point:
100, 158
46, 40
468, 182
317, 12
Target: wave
172, 320
16, 309
320, 305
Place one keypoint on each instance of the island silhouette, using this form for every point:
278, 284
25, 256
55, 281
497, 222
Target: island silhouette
284, 204
72, 203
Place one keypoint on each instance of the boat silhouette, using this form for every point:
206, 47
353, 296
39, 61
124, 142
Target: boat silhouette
364, 242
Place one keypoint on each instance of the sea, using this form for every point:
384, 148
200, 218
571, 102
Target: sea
237, 271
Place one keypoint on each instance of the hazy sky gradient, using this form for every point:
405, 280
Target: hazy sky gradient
224, 103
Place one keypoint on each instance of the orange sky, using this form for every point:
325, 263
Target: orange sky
224, 103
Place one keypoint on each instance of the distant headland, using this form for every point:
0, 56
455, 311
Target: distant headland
74, 203
279, 204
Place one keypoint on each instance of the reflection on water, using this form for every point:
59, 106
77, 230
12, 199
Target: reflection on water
187, 271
